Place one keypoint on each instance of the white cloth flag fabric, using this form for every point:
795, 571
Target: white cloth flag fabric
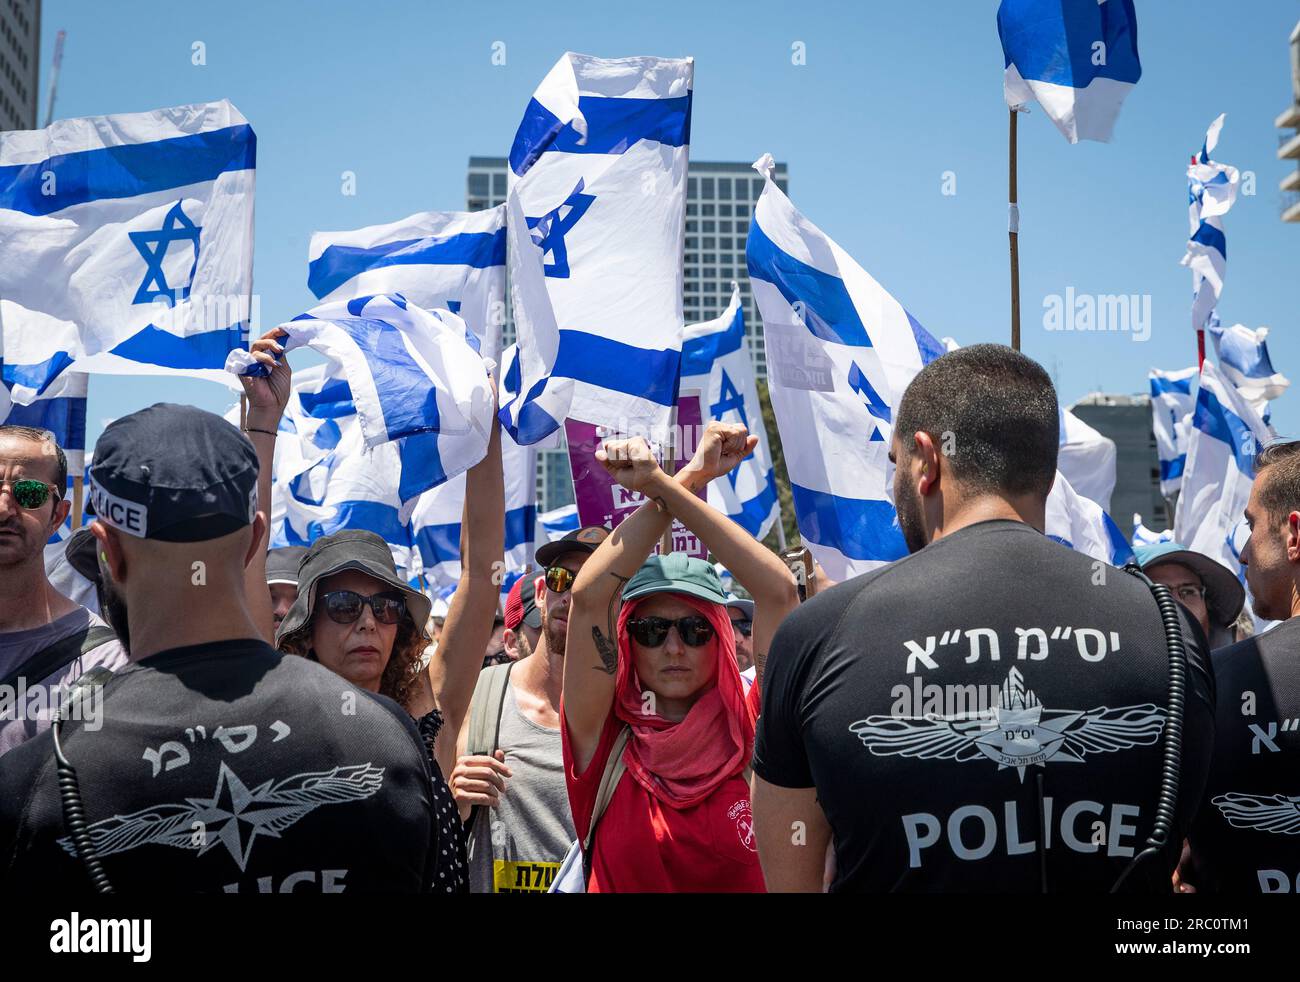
1082, 525
595, 217
127, 244
1143, 536
1077, 58
1226, 435
413, 375
1086, 459
437, 260
1211, 192
716, 363
1171, 421
834, 383
1244, 362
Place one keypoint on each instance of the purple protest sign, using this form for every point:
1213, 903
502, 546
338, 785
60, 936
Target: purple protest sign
602, 501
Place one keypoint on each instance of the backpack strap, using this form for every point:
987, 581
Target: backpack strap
609, 778
485, 710
60, 654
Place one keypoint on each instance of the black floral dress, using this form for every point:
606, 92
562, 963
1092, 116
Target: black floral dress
451, 867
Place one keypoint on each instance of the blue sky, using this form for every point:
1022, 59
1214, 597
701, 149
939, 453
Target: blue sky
890, 98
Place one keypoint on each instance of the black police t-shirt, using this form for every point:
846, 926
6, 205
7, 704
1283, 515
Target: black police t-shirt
986, 714
1246, 838
226, 767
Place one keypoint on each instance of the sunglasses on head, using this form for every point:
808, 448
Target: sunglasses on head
559, 579
651, 632
30, 494
344, 606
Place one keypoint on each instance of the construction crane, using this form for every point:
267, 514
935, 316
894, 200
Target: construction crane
54, 75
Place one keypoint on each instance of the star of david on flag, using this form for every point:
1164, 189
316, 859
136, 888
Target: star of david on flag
153, 246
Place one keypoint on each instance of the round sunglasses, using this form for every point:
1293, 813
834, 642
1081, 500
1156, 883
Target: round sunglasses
344, 606
651, 632
30, 494
559, 579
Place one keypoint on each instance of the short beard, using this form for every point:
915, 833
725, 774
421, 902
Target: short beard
112, 608
555, 640
908, 507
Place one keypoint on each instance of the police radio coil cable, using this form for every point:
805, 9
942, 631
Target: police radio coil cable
1167, 801
74, 815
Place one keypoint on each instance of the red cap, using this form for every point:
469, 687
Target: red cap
515, 605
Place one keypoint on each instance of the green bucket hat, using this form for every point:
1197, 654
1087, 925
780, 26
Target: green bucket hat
676, 573
350, 549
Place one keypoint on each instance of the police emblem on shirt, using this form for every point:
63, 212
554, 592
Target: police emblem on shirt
1263, 812
1017, 731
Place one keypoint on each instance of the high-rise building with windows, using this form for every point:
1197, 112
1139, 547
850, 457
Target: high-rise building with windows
720, 199
20, 51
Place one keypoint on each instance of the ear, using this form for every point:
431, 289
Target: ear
60, 514
926, 463
111, 556
259, 538
1293, 537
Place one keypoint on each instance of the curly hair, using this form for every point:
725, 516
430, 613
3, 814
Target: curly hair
404, 664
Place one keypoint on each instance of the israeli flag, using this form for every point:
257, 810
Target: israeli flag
1143, 536
437, 260
716, 363
1077, 58
1171, 421
1211, 192
127, 244
61, 410
413, 375
559, 522
1226, 435
1086, 459
595, 217
1082, 525
1244, 362
834, 381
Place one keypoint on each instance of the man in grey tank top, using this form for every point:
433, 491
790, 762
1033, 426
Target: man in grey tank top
509, 776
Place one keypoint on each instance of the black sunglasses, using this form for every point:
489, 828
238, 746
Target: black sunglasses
559, 579
651, 632
344, 606
744, 625
31, 494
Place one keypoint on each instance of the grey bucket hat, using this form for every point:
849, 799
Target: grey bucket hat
351, 549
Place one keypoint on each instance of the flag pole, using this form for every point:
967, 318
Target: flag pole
1013, 230
670, 468
76, 503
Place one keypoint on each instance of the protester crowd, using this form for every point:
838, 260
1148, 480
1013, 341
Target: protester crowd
242, 721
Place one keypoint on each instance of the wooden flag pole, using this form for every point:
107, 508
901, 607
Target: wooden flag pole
76, 503
1013, 231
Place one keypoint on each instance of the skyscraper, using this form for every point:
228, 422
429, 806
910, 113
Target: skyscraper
20, 51
720, 199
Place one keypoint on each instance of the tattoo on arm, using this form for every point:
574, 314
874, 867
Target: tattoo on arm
607, 649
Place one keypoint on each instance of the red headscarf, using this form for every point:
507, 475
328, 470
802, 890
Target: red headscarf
682, 763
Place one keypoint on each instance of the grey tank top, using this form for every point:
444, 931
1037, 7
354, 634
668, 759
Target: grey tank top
517, 847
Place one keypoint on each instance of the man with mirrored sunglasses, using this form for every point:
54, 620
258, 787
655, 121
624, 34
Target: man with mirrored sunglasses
509, 780
47, 640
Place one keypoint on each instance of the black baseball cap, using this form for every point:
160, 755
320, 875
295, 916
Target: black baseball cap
173, 474
585, 539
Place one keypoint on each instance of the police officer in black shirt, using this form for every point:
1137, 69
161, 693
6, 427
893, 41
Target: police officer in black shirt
211, 762
987, 714
1246, 838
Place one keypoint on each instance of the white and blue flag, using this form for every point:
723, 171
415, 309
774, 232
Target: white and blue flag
1086, 459
437, 260
127, 244
595, 216
1211, 192
61, 410
834, 381
1143, 536
559, 522
1077, 58
1227, 434
414, 378
716, 363
1082, 525
1244, 362
1171, 421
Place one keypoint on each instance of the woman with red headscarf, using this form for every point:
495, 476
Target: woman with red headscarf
653, 705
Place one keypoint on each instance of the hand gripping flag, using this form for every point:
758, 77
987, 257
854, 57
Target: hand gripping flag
1226, 435
595, 217
1244, 362
1077, 58
413, 375
1171, 420
437, 260
716, 362
1211, 192
127, 244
